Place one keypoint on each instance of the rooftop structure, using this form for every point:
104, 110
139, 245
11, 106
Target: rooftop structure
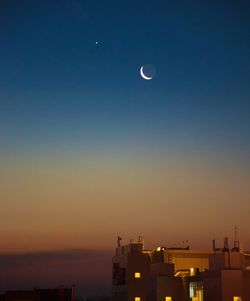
180, 274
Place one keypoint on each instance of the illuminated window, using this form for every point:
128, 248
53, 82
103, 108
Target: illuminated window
137, 275
196, 291
237, 298
137, 298
168, 298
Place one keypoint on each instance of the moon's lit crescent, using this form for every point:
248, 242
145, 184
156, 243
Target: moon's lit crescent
143, 75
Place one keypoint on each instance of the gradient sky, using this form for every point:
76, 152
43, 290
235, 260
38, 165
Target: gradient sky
90, 150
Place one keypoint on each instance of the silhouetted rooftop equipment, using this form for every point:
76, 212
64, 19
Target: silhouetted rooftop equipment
178, 248
214, 247
225, 247
119, 241
236, 247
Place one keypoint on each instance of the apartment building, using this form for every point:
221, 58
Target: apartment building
180, 274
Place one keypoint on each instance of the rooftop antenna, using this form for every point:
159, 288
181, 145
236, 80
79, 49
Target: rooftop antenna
226, 247
236, 247
214, 246
119, 241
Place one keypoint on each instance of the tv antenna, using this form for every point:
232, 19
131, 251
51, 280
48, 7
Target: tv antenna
119, 241
236, 247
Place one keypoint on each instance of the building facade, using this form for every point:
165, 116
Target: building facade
180, 274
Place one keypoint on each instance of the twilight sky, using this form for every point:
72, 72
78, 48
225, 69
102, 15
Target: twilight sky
90, 150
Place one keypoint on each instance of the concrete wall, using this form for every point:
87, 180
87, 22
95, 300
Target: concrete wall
137, 287
187, 259
246, 285
231, 284
212, 286
131, 260
226, 260
174, 287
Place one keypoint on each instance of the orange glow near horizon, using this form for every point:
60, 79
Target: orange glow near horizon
53, 204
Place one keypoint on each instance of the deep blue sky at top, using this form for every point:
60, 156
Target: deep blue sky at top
58, 87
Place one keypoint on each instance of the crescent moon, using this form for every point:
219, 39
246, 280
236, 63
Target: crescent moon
143, 75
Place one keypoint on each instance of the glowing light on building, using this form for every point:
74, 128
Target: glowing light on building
137, 275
